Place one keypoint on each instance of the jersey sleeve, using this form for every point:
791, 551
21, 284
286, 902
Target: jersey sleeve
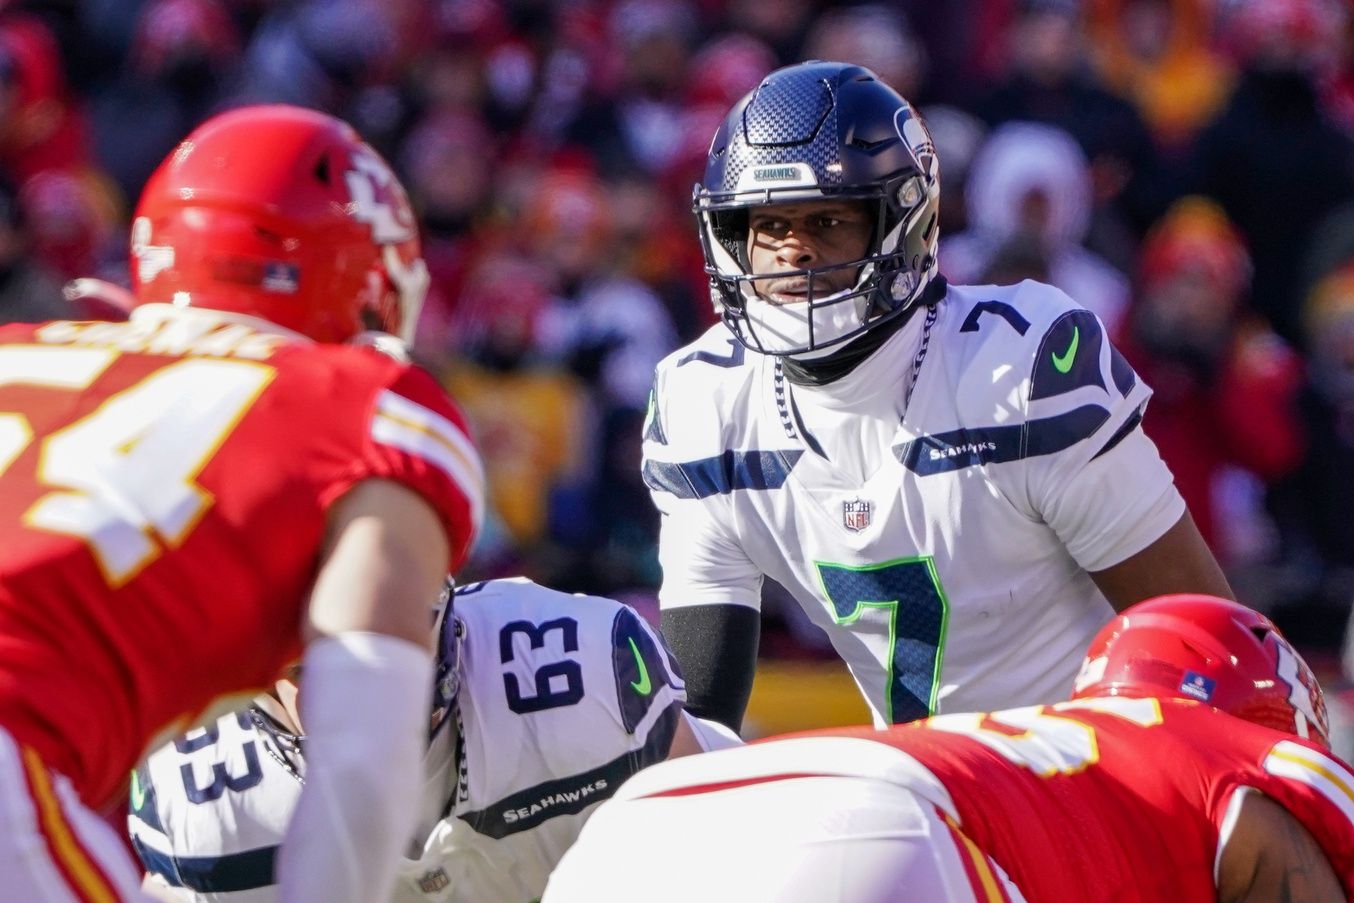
146, 829
649, 687
1318, 790
1092, 474
419, 438
702, 561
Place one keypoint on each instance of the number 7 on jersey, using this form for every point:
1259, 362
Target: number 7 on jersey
904, 595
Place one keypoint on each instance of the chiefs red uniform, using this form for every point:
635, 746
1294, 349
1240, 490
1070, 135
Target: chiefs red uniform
163, 493
1071, 799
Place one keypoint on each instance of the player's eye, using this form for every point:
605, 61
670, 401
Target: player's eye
769, 225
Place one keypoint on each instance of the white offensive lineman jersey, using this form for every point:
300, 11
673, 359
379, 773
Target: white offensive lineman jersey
562, 697
950, 567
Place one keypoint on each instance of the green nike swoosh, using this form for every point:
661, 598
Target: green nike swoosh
643, 686
1063, 362
138, 793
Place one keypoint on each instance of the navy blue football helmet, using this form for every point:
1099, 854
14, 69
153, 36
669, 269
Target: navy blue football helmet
812, 131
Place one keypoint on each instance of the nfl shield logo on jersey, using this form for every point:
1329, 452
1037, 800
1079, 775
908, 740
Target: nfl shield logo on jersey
856, 514
434, 881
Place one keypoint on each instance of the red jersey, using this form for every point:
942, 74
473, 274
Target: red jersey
1111, 799
163, 493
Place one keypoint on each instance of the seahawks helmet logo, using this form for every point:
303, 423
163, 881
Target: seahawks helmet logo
918, 140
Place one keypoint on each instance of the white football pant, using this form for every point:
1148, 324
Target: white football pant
53, 848
780, 839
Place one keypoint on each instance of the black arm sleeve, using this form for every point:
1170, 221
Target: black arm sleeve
716, 648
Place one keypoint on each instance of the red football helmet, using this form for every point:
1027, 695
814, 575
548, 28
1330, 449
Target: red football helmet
1210, 649
281, 213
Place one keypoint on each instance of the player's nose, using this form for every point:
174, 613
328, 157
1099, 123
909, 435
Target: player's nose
797, 250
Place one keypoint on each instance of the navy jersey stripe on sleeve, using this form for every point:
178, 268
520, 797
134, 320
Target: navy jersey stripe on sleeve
958, 449
721, 474
1069, 356
1122, 372
1129, 425
639, 668
142, 804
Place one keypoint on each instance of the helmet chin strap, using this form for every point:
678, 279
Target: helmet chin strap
841, 360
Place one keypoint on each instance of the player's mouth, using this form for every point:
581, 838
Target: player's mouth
787, 291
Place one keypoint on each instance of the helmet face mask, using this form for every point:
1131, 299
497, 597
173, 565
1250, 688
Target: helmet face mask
1210, 650
817, 132
447, 679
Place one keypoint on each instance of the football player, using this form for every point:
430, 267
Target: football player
1191, 766
195, 498
544, 703
950, 480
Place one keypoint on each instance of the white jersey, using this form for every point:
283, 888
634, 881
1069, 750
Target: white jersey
562, 697
945, 553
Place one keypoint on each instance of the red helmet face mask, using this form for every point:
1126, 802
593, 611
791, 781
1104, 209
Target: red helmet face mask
1211, 650
285, 214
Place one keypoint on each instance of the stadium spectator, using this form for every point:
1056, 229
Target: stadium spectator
449, 159
1226, 385
636, 125
875, 36
1313, 505
30, 290
184, 56
1049, 79
1031, 183
531, 418
1159, 54
41, 125
1273, 117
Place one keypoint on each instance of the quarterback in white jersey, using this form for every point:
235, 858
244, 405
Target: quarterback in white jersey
545, 703
951, 481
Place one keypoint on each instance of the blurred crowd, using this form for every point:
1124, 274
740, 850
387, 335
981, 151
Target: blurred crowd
1185, 168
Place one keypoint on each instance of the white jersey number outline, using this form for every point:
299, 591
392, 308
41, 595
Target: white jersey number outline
123, 476
1047, 741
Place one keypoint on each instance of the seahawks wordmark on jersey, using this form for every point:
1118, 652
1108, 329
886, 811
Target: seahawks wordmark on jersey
945, 553
562, 697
